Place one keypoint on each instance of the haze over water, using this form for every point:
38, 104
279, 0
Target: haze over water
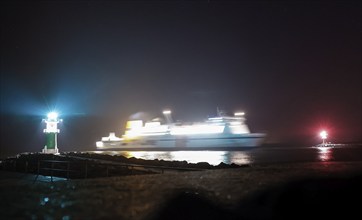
259, 155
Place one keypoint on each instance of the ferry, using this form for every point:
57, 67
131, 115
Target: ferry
216, 132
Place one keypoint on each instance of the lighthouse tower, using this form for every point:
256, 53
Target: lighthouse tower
51, 132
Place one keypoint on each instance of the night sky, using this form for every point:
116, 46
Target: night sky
294, 67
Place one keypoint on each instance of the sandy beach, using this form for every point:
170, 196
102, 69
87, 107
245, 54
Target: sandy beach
224, 193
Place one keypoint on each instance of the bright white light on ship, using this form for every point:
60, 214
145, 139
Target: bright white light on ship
166, 112
239, 113
323, 135
52, 115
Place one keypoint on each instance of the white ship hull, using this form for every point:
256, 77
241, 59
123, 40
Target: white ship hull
217, 132
187, 142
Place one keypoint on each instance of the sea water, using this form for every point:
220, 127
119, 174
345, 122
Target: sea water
257, 155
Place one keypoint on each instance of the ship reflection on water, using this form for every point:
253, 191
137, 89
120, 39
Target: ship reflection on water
259, 155
211, 157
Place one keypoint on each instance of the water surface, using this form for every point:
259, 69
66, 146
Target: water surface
258, 155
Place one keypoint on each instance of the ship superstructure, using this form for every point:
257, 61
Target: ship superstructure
221, 131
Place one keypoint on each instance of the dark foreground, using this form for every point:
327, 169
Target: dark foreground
275, 191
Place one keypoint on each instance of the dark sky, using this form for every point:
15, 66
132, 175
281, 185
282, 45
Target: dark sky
293, 66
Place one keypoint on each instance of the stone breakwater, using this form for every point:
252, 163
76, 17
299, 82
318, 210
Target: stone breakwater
274, 191
73, 165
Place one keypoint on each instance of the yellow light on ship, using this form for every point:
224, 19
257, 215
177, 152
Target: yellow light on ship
133, 129
134, 124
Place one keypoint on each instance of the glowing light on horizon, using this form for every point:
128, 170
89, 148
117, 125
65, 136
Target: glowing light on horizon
323, 134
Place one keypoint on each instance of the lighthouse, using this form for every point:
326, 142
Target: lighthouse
51, 132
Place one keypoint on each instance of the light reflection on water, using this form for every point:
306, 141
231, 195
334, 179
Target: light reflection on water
251, 156
211, 157
325, 153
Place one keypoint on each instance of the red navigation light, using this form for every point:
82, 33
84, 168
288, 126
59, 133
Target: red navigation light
323, 135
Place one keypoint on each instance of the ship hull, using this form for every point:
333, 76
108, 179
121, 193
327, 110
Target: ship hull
186, 142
